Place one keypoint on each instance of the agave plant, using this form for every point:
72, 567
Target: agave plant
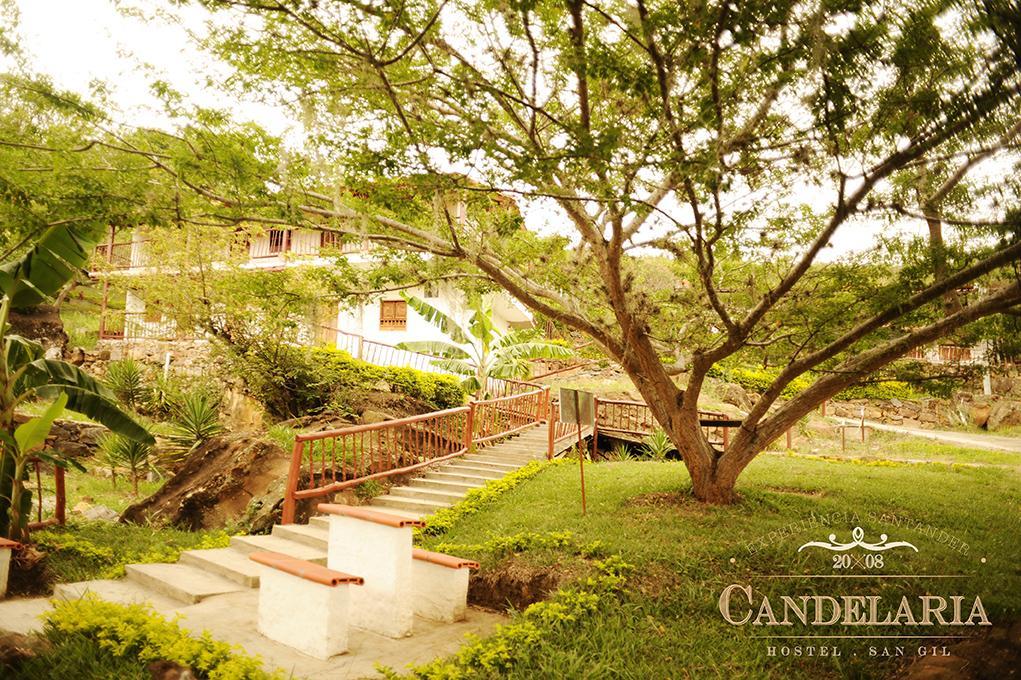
658, 445
26, 374
621, 453
195, 420
125, 379
479, 351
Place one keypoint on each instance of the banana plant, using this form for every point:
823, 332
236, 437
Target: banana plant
478, 351
26, 374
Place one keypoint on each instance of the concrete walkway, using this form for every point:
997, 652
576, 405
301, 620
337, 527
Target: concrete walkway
977, 441
216, 589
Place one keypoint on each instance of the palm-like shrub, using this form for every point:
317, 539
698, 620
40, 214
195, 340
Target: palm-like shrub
479, 351
126, 381
117, 451
195, 419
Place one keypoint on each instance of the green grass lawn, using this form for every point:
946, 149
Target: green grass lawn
667, 624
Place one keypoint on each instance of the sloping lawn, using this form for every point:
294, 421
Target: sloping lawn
667, 624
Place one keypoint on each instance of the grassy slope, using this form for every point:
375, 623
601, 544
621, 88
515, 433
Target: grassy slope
668, 624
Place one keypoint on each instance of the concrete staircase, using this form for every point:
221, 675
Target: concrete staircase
201, 574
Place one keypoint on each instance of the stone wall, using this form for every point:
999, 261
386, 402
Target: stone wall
186, 356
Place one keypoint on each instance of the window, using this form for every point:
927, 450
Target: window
393, 315
279, 240
329, 239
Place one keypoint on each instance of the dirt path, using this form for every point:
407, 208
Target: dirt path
978, 441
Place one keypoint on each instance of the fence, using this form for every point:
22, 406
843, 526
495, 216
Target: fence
121, 255
118, 325
323, 463
617, 416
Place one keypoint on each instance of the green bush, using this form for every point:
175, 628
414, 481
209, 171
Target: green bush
135, 632
294, 381
195, 419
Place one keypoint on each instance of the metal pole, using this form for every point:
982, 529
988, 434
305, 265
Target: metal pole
581, 452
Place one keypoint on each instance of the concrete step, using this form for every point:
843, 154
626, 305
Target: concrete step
181, 581
427, 494
249, 544
413, 504
499, 458
519, 449
474, 470
121, 591
446, 475
226, 562
440, 485
311, 535
321, 521
490, 462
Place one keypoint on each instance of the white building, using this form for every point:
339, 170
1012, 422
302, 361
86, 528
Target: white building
386, 319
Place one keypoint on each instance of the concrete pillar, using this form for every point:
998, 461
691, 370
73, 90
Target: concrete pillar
7, 546
441, 586
376, 546
308, 616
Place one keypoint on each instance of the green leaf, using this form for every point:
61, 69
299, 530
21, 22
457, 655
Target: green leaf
436, 348
32, 434
537, 349
102, 410
54, 372
40, 273
437, 318
21, 351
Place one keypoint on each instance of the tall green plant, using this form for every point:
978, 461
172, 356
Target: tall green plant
195, 421
26, 374
478, 351
136, 456
126, 381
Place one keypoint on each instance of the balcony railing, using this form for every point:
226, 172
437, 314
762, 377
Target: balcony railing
118, 325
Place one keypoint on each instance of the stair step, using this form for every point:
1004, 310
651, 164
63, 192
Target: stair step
413, 504
314, 536
249, 544
440, 485
427, 494
474, 470
456, 477
226, 562
490, 462
181, 581
321, 521
121, 591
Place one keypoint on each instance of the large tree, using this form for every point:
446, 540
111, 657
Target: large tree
733, 141
738, 139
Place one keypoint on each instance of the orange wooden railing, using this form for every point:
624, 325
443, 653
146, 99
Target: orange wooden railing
323, 463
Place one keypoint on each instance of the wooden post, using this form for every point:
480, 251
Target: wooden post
822, 409
595, 426
61, 508
843, 439
290, 502
789, 447
469, 428
551, 431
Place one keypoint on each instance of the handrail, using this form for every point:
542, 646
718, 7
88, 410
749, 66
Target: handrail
323, 463
624, 416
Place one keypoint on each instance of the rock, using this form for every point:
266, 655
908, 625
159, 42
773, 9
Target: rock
77, 357
100, 513
735, 395
1004, 414
224, 481
979, 414
370, 417
16, 648
382, 386
896, 403
81, 507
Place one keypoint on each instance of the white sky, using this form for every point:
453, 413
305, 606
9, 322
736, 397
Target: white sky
77, 42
